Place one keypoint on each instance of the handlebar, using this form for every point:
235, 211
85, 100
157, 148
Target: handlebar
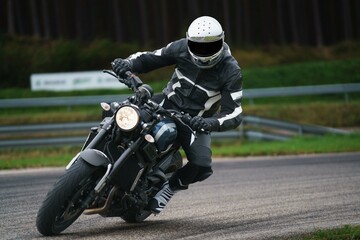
130, 80
179, 117
134, 82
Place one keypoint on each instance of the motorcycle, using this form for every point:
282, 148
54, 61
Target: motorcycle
122, 164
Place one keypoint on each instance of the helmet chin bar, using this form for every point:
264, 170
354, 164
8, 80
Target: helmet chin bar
206, 62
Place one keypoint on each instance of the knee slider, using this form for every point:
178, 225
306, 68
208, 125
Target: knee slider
190, 173
203, 173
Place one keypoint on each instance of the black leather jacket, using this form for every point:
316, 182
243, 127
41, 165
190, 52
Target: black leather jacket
211, 93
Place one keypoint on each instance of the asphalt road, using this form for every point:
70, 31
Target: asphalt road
248, 198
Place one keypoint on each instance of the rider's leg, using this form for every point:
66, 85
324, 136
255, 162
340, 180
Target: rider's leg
197, 169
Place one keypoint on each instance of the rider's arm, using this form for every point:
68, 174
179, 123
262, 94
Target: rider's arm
142, 62
230, 116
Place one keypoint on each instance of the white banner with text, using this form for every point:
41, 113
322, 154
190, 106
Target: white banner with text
74, 81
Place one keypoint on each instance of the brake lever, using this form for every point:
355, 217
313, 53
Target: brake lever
187, 120
179, 118
134, 81
121, 80
110, 72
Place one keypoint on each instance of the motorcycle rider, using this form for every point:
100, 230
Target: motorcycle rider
206, 83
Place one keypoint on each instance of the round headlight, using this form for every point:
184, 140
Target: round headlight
127, 118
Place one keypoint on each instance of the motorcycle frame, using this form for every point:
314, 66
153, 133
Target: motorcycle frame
97, 158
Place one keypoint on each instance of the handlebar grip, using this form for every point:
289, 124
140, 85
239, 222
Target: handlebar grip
133, 80
186, 118
128, 74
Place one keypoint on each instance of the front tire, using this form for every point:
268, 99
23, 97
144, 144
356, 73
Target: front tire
62, 205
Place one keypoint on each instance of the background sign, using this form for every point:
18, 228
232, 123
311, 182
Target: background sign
74, 81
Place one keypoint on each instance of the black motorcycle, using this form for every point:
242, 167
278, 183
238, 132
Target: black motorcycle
122, 165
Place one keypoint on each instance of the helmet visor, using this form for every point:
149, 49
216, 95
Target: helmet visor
205, 49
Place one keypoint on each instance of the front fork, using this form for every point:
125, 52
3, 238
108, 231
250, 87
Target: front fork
110, 174
106, 125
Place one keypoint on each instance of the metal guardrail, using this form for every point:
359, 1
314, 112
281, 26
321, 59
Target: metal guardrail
248, 120
303, 90
248, 93
293, 128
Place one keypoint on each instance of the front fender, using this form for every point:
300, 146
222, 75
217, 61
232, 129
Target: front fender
94, 157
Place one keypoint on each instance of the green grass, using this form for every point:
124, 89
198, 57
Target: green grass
307, 73
36, 157
297, 145
323, 112
346, 232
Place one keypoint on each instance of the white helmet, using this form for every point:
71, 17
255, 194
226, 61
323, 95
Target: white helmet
205, 39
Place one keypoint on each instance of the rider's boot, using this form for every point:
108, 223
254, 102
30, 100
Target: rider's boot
167, 190
180, 180
159, 201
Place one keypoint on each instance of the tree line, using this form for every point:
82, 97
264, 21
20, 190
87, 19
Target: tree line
157, 22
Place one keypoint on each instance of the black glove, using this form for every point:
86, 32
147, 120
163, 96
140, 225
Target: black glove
121, 66
198, 123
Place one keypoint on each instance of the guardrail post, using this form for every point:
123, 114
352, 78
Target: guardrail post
300, 130
241, 130
251, 101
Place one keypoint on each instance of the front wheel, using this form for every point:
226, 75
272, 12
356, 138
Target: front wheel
62, 205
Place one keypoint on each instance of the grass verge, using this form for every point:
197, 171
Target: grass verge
60, 156
297, 145
346, 232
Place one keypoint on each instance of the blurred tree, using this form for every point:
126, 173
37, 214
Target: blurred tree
280, 21
238, 19
348, 32
250, 22
317, 24
357, 21
226, 22
293, 21
117, 21
11, 17
144, 22
35, 18
165, 22
46, 19
247, 22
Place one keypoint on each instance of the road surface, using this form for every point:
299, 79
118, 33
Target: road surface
246, 198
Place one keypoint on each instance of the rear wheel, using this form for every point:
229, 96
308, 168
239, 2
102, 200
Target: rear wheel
62, 205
